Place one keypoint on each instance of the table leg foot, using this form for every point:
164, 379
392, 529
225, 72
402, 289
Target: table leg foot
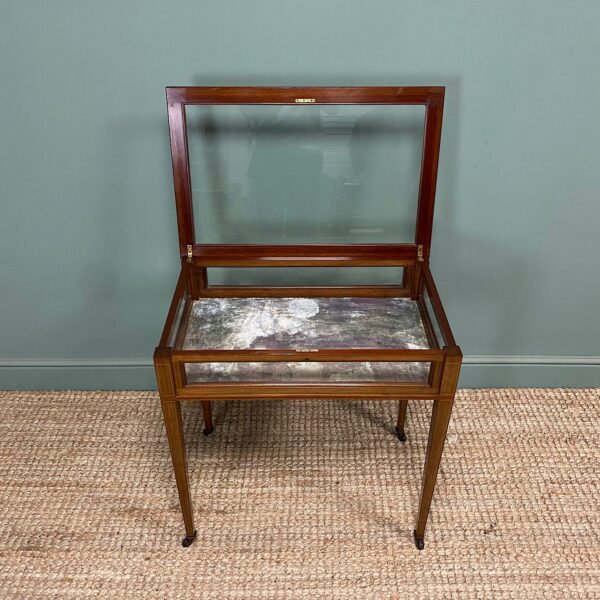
400, 434
419, 541
188, 540
208, 430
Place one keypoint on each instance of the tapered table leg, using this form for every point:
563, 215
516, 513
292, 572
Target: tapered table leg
402, 406
440, 417
174, 426
208, 422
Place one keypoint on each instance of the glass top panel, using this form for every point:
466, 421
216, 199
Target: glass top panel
290, 174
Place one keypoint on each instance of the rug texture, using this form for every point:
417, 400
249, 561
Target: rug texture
299, 499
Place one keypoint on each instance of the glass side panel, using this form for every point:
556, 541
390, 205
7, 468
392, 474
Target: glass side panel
177, 322
305, 173
327, 276
304, 324
307, 372
437, 330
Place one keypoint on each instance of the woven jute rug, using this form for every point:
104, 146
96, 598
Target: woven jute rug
302, 499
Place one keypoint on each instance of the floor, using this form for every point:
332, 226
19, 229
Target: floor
302, 499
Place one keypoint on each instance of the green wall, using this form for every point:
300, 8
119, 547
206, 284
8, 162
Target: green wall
88, 242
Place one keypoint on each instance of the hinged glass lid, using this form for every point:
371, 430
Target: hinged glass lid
305, 173
297, 166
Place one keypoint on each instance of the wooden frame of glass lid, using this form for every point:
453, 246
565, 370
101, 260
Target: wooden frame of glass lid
211, 364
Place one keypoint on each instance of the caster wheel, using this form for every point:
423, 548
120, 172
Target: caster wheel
419, 541
208, 430
188, 540
401, 435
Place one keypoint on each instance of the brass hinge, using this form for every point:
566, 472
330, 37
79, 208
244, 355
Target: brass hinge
304, 100
420, 252
189, 252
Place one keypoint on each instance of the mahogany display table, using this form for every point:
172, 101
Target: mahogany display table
246, 342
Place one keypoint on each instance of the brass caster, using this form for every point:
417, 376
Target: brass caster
188, 540
419, 541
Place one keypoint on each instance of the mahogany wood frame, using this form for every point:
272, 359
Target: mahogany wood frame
444, 355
